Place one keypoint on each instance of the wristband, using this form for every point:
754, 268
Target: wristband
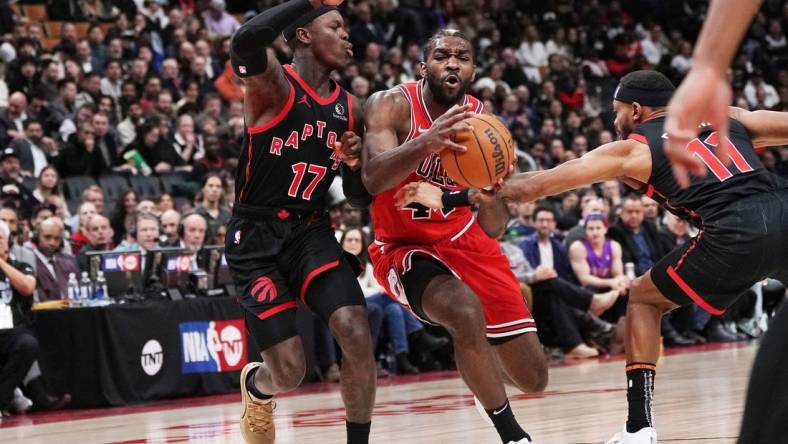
454, 199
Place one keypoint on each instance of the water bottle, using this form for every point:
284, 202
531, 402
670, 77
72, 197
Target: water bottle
73, 287
85, 287
629, 271
101, 286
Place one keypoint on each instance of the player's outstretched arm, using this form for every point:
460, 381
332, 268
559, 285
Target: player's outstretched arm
386, 163
621, 158
766, 128
705, 93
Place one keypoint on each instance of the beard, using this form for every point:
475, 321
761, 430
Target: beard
440, 95
624, 130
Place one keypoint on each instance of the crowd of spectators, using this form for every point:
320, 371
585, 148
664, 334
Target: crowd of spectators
121, 123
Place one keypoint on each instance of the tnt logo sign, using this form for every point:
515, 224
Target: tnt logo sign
121, 262
179, 264
214, 346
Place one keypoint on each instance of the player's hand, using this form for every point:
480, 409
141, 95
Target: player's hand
419, 192
704, 96
318, 3
348, 149
441, 134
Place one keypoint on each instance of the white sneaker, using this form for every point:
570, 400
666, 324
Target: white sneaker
20, 403
522, 441
646, 435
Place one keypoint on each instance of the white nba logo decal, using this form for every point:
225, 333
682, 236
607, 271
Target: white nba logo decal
237, 237
242, 69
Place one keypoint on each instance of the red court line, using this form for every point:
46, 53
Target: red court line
202, 401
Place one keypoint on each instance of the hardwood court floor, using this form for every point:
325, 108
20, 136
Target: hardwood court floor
699, 399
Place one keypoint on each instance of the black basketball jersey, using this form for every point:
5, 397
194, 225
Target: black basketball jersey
708, 195
290, 162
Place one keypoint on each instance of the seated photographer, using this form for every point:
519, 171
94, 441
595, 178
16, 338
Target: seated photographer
18, 347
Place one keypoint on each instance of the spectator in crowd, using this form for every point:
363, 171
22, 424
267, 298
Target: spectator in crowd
12, 118
211, 204
218, 22
35, 148
596, 260
99, 233
543, 249
193, 231
143, 234
52, 265
123, 216
79, 235
19, 247
170, 221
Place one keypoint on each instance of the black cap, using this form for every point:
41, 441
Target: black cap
8, 152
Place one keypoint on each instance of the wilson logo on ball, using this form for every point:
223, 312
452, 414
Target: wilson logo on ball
500, 163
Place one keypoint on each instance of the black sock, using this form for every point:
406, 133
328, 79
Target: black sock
357, 433
640, 395
252, 389
505, 424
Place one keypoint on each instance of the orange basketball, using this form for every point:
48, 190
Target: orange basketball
489, 155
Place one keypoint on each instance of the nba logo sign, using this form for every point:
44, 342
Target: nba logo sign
179, 264
212, 347
121, 262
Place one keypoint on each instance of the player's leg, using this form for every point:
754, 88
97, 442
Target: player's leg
284, 364
439, 296
269, 307
641, 342
523, 361
336, 297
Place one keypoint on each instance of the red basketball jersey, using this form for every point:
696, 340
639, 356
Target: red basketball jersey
416, 223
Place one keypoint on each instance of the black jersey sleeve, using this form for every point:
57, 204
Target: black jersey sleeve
247, 48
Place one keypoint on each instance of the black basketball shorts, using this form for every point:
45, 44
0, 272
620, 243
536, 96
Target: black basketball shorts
743, 244
273, 261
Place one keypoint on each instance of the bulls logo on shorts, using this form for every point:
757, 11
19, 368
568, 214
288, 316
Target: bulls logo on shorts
264, 290
395, 285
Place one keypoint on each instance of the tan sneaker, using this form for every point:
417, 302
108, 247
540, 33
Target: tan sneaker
257, 419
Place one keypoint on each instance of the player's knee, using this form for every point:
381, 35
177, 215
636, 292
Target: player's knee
288, 373
350, 326
465, 319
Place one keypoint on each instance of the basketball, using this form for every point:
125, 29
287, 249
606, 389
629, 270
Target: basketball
489, 155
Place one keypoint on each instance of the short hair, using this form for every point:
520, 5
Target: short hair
31, 121
546, 208
139, 217
91, 189
647, 80
448, 32
632, 196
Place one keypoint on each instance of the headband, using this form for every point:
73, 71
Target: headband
305, 19
645, 97
595, 216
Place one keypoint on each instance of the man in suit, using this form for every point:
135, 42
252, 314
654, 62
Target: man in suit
53, 266
34, 149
